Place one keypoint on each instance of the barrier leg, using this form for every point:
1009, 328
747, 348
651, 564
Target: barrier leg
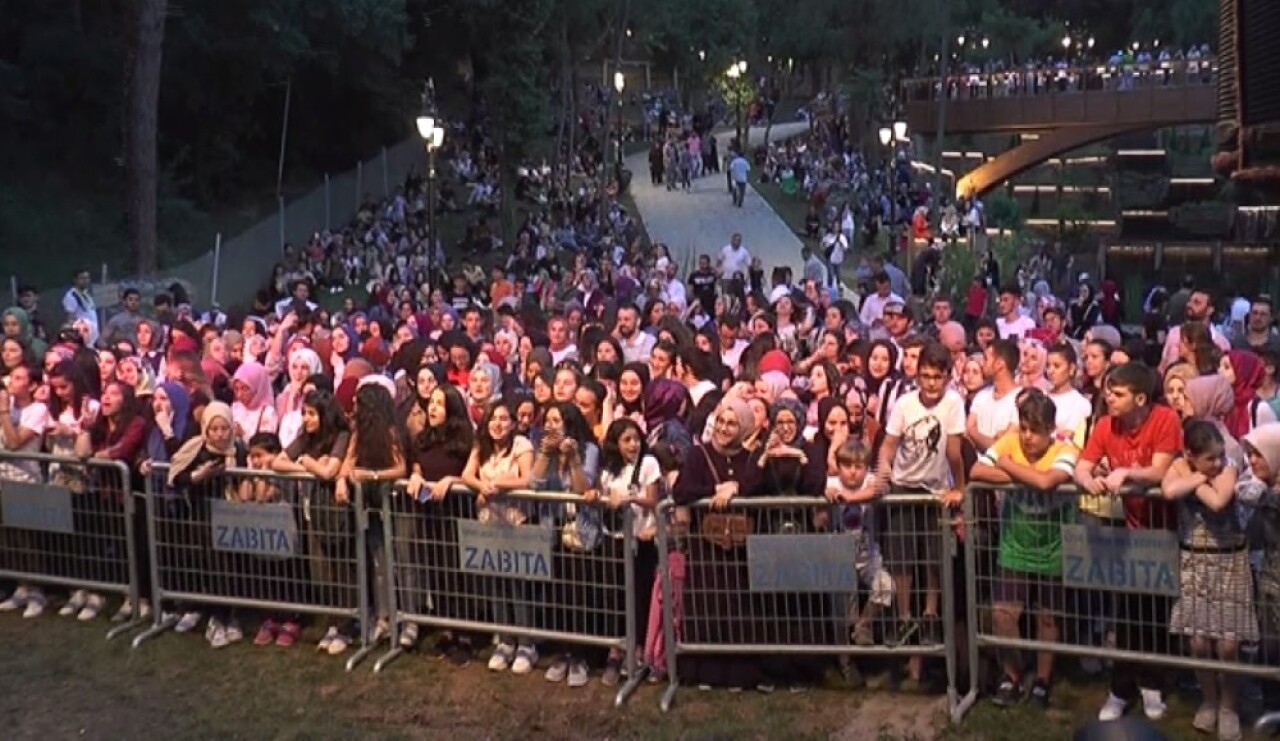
966, 703
365, 614
635, 675
389, 559
128, 627
162, 623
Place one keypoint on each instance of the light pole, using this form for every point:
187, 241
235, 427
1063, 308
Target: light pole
735, 73
891, 138
431, 129
619, 84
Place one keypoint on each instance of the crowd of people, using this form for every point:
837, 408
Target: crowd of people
591, 363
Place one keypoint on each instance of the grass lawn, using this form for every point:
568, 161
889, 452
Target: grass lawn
62, 680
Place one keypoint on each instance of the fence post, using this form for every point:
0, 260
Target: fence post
217, 264
328, 219
13, 287
386, 176
359, 182
280, 201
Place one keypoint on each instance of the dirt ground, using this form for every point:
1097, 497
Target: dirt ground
62, 679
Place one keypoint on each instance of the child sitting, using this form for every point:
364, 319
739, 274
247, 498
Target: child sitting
1030, 551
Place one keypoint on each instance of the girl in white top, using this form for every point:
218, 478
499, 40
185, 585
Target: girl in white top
630, 477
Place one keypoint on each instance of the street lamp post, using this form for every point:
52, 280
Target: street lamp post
735, 73
431, 129
619, 84
891, 138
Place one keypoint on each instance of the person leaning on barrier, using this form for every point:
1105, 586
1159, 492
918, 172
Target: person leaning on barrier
921, 453
1139, 439
1259, 491
23, 421
1215, 604
1031, 519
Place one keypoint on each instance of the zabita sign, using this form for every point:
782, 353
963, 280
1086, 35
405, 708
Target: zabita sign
495, 548
1115, 559
259, 529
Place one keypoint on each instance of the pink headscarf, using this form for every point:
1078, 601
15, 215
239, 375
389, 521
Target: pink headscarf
1249, 374
255, 376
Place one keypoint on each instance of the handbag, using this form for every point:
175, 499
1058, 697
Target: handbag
723, 530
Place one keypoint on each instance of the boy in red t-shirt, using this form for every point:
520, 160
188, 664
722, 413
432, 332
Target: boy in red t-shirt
1139, 440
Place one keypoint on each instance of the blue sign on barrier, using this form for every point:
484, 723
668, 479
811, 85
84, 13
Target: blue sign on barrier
498, 549
260, 529
1119, 560
802, 563
36, 507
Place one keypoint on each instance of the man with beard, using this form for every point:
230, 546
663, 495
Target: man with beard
1199, 309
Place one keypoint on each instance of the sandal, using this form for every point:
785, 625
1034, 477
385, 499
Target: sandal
288, 634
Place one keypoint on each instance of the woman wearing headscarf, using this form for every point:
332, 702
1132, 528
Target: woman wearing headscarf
343, 345
303, 363
666, 402
1245, 372
253, 409
195, 469
1083, 312
17, 324
1259, 493
1210, 398
720, 470
484, 384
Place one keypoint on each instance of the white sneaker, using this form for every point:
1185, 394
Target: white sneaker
408, 635
1153, 704
35, 604
74, 605
526, 658
92, 607
501, 658
188, 622
578, 674
235, 633
215, 629
218, 637
144, 609
16, 601
124, 613
329, 635
558, 670
1113, 708
381, 629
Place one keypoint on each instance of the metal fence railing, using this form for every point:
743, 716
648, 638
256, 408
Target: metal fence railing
779, 583
1145, 599
518, 567
69, 522
256, 540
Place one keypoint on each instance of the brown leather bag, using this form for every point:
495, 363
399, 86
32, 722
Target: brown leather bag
723, 530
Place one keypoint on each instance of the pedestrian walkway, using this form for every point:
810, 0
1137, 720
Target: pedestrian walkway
701, 221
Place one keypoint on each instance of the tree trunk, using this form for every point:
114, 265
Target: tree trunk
566, 81
145, 42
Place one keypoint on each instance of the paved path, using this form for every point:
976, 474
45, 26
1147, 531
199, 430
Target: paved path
702, 220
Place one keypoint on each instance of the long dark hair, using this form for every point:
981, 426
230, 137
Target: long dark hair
107, 431
332, 424
68, 371
456, 435
486, 446
375, 427
575, 424
611, 459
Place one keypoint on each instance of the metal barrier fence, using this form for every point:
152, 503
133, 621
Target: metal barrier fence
784, 581
1144, 599
522, 566
246, 539
69, 522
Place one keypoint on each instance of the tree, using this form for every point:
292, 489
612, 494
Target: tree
142, 93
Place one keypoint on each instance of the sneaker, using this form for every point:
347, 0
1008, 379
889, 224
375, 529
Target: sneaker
558, 670
612, 672
218, 638
1008, 694
339, 643
1229, 726
704, 688
460, 654
863, 636
526, 658
92, 608
1040, 694
124, 613
16, 601
191, 620
235, 633
1206, 720
1113, 708
851, 674
501, 658
144, 609
579, 675
288, 634
1153, 705
75, 604
381, 629
906, 630
329, 635
765, 689
35, 604
266, 633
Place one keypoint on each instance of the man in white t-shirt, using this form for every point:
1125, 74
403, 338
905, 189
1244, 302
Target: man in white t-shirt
872, 312
921, 453
731, 345
734, 258
558, 335
1011, 322
995, 408
79, 306
636, 345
